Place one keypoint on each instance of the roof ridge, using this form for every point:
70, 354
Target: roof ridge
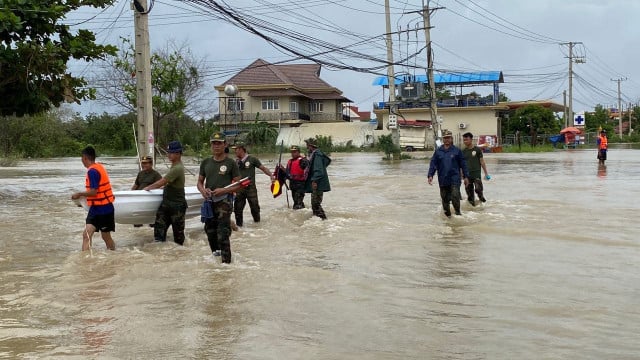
282, 76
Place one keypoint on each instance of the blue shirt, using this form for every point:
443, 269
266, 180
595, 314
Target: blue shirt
448, 163
94, 183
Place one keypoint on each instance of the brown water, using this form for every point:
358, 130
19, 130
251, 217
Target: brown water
546, 269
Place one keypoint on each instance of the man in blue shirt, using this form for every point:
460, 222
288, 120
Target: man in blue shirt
100, 199
450, 164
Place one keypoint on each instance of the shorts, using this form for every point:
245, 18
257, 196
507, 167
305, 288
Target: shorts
602, 154
103, 223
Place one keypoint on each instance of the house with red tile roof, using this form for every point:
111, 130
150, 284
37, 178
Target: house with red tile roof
286, 95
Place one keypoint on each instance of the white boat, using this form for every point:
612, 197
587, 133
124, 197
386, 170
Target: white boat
140, 206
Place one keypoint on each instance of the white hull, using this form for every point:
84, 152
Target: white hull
140, 206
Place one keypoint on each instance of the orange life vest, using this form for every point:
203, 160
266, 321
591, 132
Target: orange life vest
603, 143
104, 193
295, 171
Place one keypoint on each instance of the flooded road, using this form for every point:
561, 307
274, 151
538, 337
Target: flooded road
546, 269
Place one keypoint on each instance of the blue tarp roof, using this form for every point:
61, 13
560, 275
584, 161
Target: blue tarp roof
458, 78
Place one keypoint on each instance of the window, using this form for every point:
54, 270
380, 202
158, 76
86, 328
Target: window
293, 107
235, 104
316, 106
270, 104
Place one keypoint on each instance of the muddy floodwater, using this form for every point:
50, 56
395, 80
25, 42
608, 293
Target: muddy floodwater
547, 268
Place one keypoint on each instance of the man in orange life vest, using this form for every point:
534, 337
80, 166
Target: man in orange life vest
602, 147
296, 175
100, 200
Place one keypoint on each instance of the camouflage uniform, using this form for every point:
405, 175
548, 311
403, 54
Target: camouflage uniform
174, 205
316, 204
169, 214
217, 174
248, 194
297, 193
218, 229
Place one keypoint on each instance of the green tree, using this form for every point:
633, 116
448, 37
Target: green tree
597, 119
110, 134
532, 120
176, 83
40, 135
35, 47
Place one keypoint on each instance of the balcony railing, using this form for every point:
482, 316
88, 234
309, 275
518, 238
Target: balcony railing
416, 103
273, 117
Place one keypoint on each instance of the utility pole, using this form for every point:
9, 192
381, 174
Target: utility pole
564, 107
392, 122
144, 107
619, 106
433, 99
579, 60
629, 111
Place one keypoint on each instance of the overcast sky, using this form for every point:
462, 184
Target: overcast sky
521, 38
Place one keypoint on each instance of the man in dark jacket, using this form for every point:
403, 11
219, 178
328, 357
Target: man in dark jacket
450, 163
317, 179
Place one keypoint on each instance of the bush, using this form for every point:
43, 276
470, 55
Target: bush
386, 145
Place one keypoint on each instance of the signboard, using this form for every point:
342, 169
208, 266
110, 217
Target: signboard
393, 121
578, 119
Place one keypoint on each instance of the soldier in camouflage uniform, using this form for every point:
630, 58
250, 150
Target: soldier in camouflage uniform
215, 173
146, 177
174, 205
247, 165
295, 172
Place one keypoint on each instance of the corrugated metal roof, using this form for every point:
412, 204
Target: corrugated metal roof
457, 78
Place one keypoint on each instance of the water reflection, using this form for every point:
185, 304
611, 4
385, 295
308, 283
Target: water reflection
602, 171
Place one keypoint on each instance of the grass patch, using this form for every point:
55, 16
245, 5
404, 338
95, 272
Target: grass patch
527, 148
9, 161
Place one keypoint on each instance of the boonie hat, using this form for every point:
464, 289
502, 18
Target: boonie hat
218, 136
294, 148
146, 159
446, 133
239, 144
174, 147
312, 142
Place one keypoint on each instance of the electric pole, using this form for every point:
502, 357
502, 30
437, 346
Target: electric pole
629, 111
620, 106
144, 107
564, 107
393, 119
433, 99
579, 60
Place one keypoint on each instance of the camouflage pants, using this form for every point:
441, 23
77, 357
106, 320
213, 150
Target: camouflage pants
450, 194
297, 192
250, 194
316, 204
218, 229
475, 185
170, 215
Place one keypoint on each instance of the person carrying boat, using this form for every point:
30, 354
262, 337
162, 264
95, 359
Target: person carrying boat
174, 204
147, 175
247, 164
475, 163
450, 164
295, 172
100, 199
316, 177
216, 173
603, 146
